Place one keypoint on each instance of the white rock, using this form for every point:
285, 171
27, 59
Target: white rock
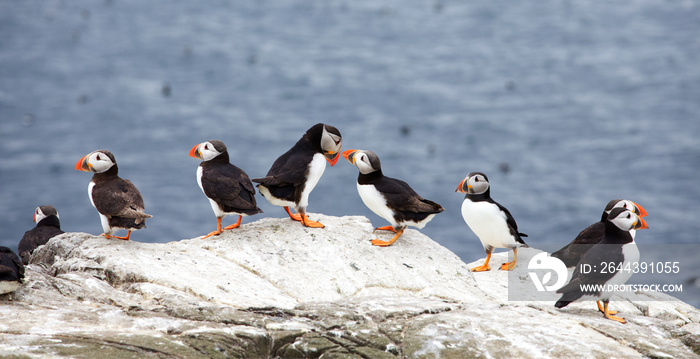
275, 288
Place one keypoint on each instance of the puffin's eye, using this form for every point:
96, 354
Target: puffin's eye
98, 157
206, 147
476, 179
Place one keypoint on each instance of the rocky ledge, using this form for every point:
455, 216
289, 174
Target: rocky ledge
273, 288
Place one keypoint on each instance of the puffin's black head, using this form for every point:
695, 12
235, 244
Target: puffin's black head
625, 219
327, 139
623, 203
97, 161
206, 151
474, 183
42, 212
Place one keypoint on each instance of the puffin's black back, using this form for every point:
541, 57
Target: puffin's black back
406, 203
228, 185
287, 176
608, 250
112, 195
46, 229
571, 253
11, 268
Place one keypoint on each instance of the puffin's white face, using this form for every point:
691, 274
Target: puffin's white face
38, 215
99, 162
363, 163
207, 151
624, 204
330, 143
627, 220
477, 184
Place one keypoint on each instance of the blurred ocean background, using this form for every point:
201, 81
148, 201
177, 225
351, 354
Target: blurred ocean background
565, 105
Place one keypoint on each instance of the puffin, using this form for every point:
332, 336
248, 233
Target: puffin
618, 249
48, 226
571, 253
490, 221
11, 271
117, 200
227, 187
390, 198
294, 174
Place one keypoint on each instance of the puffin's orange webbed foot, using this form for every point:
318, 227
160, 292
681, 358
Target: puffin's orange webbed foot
600, 307
217, 231
381, 243
214, 233
617, 319
309, 223
295, 216
484, 267
508, 266
608, 315
235, 225
108, 236
304, 219
385, 228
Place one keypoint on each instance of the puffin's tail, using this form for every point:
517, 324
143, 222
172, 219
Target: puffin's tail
520, 240
562, 303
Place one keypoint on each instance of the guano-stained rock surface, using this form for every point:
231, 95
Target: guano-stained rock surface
273, 288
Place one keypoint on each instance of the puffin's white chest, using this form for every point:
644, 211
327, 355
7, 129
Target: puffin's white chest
104, 220
8, 286
315, 170
375, 201
631, 254
214, 206
200, 170
91, 185
488, 222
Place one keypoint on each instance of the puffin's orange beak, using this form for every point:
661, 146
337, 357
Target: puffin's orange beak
34, 219
350, 156
82, 165
642, 224
194, 153
459, 188
331, 157
642, 211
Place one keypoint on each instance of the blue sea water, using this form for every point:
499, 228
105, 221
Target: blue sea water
564, 104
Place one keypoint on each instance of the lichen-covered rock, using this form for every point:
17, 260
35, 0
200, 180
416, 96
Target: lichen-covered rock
273, 288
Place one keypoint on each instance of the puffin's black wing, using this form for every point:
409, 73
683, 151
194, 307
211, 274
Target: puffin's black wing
37, 236
11, 267
571, 253
118, 197
400, 196
288, 169
511, 223
230, 187
601, 253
